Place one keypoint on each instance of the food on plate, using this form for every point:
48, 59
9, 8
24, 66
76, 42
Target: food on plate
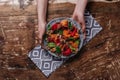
62, 38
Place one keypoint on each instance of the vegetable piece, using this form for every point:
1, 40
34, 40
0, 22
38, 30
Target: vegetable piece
70, 25
55, 27
60, 32
70, 42
66, 33
51, 45
73, 32
64, 23
76, 35
57, 41
77, 41
53, 36
72, 48
49, 27
53, 49
58, 49
75, 45
67, 52
49, 39
56, 31
71, 38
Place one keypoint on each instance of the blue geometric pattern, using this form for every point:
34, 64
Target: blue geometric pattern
48, 63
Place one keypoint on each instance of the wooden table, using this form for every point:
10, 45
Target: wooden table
98, 60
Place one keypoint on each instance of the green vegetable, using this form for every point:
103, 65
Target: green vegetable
71, 38
51, 45
49, 27
58, 50
56, 31
77, 41
73, 49
70, 25
60, 32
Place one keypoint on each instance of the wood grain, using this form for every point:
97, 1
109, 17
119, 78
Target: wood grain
98, 60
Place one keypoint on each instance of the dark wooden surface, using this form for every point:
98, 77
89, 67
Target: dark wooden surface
98, 60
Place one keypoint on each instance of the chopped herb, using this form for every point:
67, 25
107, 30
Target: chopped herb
60, 32
70, 25
56, 31
58, 50
49, 27
72, 48
77, 41
71, 38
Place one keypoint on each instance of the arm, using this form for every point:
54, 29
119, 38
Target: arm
78, 13
41, 8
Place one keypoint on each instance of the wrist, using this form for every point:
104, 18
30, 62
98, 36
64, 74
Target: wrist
77, 12
80, 6
41, 24
41, 19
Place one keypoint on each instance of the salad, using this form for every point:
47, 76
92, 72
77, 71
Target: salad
62, 38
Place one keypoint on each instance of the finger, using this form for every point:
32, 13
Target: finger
83, 29
40, 38
75, 18
40, 41
84, 35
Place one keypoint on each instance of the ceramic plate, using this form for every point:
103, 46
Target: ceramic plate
53, 21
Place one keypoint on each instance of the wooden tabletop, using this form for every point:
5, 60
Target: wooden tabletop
98, 60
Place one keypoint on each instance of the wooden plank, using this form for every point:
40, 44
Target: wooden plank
98, 60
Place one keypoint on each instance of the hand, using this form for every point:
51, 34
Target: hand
41, 8
41, 31
79, 17
78, 14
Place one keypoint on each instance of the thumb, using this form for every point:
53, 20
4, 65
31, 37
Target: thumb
84, 29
